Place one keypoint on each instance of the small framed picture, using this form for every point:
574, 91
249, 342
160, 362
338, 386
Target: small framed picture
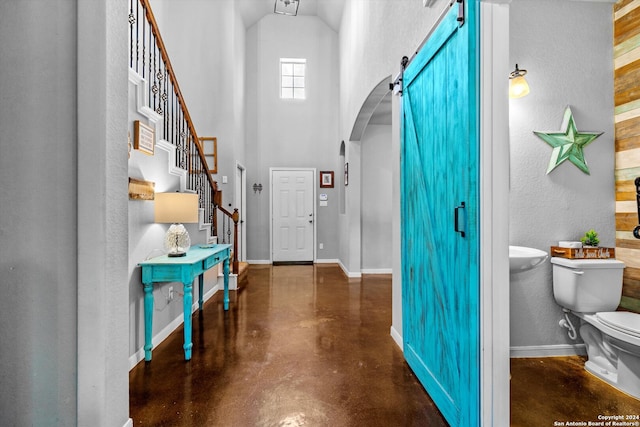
326, 179
143, 138
346, 174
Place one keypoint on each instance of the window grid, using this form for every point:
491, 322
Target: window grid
292, 78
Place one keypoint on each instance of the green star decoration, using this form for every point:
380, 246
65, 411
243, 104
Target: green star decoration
568, 144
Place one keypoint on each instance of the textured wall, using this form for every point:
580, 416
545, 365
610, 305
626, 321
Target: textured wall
627, 123
209, 64
38, 257
290, 133
566, 47
63, 214
376, 198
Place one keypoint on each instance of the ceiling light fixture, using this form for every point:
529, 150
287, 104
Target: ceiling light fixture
286, 7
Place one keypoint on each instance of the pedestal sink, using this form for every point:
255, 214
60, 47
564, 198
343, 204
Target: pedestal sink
522, 258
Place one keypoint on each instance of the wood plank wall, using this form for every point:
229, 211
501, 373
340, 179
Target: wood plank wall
626, 33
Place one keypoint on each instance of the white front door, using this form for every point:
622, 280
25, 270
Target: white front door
292, 215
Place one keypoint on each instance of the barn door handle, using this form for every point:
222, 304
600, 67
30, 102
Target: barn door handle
456, 222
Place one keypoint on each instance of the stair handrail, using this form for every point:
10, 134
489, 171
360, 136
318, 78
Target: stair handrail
215, 193
176, 87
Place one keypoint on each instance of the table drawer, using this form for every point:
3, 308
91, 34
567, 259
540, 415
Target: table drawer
213, 260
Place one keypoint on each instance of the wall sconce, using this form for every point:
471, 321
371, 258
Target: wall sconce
257, 188
176, 208
286, 7
518, 86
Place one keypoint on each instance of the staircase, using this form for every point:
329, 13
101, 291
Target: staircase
160, 100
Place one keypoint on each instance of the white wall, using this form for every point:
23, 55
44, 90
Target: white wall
103, 380
209, 62
376, 198
290, 133
146, 239
567, 48
214, 95
62, 214
374, 36
37, 213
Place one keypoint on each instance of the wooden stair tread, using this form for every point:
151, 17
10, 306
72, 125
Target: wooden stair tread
242, 268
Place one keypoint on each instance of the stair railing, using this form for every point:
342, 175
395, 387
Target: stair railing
148, 57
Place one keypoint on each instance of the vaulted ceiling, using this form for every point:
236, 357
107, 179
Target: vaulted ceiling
330, 11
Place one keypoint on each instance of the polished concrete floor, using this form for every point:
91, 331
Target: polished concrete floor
304, 346
558, 389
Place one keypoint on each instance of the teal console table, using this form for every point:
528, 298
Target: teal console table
182, 269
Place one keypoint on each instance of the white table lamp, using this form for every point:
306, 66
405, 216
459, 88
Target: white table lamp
175, 209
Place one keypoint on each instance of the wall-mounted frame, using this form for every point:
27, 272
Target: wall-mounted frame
141, 190
209, 146
346, 174
143, 138
326, 179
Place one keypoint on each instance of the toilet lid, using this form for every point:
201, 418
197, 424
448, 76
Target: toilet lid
624, 321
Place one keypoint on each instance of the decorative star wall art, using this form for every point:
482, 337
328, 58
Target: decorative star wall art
568, 144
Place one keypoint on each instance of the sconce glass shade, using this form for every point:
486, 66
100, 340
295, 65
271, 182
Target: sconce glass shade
176, 208
518, 86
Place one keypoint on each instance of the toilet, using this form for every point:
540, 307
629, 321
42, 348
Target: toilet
591, 289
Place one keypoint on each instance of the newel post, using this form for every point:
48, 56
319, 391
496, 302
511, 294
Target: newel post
236, 219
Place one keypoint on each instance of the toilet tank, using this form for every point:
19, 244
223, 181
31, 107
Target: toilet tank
587, 285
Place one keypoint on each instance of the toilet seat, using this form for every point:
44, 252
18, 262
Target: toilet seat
623, 321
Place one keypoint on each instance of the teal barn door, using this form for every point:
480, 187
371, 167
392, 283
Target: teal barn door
439, 220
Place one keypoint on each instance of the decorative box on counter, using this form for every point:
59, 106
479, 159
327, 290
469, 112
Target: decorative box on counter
583, 253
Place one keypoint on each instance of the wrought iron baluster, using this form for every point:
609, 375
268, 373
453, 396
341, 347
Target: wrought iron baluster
228, 229
132, 20
225, 219
166, 103
174, 118
138, 35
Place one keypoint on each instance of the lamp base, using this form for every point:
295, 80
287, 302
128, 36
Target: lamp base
176, 254
177, 241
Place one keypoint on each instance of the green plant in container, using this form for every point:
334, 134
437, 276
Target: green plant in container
590, 238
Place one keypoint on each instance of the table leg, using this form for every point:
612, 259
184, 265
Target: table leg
148, 320
226, 283
200, 290
186, 307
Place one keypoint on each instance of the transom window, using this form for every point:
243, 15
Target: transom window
292, 73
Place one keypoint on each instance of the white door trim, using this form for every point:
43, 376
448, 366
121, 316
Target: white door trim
494, 214
241, 197
315, 222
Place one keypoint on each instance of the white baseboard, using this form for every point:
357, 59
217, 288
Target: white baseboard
258, 261
233, 281
377, 271
138, 356
327, 261
548, 350
397, 337
350, 275
129, 423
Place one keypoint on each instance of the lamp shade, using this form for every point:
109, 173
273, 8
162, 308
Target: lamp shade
518, 87
176, 207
